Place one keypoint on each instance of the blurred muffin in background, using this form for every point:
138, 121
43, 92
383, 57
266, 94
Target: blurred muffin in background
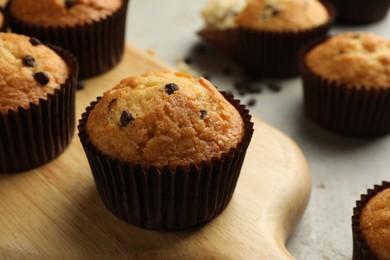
371, 224
361, 11
93, 30
346, 82
265, 35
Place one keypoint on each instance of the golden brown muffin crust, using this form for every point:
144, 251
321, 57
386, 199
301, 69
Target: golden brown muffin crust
282, 15
355, 59
375, 224
56, 12
145, 119
18, 87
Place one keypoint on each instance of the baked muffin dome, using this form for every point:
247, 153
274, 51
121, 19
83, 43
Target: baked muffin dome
164, 118
282, 15
355, 59
375, 224
62, 12
29, 71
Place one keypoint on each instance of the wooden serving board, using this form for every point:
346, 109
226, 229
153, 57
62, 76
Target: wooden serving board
55, 212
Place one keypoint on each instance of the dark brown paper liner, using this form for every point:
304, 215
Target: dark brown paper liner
98, 45
167, 199
3, 26
268, 53
31, 137
360, 11
361, 251
344, 109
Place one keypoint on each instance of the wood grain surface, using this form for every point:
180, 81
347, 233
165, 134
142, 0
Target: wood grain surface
54, 211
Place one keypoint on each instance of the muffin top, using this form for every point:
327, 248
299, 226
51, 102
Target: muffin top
265, 15
221, 14
375, 224
354, 59
164, 118
282, 15
29, 71
62, 12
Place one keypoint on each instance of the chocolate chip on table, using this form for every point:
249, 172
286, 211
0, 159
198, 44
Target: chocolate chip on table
206, 76
42, 78
188, 60
69, 4
227, 71
34, 41
273, 86
200, 48
28, 61
247, 87
203, 114
170, 88
126, 118
252, 102
80, 85
110, 104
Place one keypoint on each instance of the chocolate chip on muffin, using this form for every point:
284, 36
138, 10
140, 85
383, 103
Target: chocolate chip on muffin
126, 118
171, 88
42, 78
29, 61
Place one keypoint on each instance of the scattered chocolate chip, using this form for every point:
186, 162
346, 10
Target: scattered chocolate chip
321, 186
28, 61
203, 114
227, 71
126, 118
206, 76
251, 75
273, 86
247, 86
42, 78
80, 85
170, 88
34, 41
201, 48
110, 104
188, 60
69, 4
252, 102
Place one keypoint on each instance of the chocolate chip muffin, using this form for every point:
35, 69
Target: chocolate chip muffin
92, 29
161, 129
36, 102
186, 116
371, 224
266, 35
62, 13
361, 11
347, 82
282, 15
